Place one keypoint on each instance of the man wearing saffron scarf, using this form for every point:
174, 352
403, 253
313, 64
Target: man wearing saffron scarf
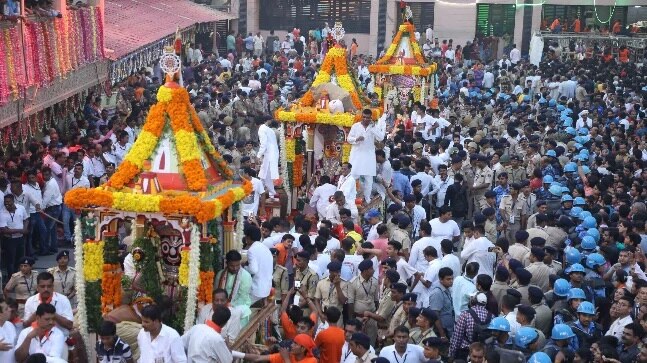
231, 329
238, 284
42, 336
299, 352
63, 316
204, 343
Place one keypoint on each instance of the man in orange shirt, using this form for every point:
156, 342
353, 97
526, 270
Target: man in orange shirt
577, 26
623, 54
299, 352
330, 341
285, 252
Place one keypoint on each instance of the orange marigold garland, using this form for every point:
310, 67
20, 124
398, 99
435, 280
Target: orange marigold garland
205, 289
110, 287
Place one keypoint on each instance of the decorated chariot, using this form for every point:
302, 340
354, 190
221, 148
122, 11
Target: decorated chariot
174, 198
403, 75
314, 128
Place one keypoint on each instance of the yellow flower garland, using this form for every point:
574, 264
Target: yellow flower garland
345, 152
187, 146
143, 148
136, 202
322, 77
183, 277
378, 91
290, 145
93, 260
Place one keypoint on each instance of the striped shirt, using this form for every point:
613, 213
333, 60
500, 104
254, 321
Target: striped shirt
119, 352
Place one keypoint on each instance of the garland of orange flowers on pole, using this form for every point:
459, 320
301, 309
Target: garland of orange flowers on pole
111, 277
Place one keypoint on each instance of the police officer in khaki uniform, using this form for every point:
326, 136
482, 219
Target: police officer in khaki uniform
389, 304
64, 276
280, 281
305, 279
510, 210
332, 290
425, 321
363, 296
482, 179
516, 174
23, 283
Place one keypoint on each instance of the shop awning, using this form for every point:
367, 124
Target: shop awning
134, 24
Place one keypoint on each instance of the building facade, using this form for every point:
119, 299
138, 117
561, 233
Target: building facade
374, 22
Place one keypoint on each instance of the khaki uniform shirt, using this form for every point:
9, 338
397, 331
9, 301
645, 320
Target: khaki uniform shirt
555, 267
482, 176
532, 162
363, 293
515, 175
401, 236
309, 280
556, 237
416, 337
529, 205
540, 272
519, 252
280, 282
64, 282
385, 309
398, 318
327, 293
512, 208
366, 358
22, 286
490, 229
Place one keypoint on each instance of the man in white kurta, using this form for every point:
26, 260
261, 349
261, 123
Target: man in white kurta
362, 137
268, 150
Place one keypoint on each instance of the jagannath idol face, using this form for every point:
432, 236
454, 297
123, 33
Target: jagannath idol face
332, 150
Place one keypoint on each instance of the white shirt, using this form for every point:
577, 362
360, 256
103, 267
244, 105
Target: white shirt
205, 345
93, 167
404, 269
321, 198
8, 335
167, 345
440, 189
425, 179
52, 194
14, 220
53, 345
450, 260
231, 330
348, 186
74, 183
477, 251
129, 266
417, 257
431, 275
35, 196
618, 326
515, 56
257, 189
350, 266
60, 302
413, 354
261, 267
348, 357
120, 152
441, 231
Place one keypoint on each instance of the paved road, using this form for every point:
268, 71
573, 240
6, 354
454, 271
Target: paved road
45, 262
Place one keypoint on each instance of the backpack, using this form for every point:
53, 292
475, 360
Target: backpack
480, 327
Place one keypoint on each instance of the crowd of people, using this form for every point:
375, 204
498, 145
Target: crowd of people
513, 223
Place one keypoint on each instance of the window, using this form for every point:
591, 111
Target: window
587, 15
310, 14
494, 20
423, 15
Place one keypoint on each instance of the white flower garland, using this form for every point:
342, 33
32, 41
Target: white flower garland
284, 167
82, 313
238, 233
194, 279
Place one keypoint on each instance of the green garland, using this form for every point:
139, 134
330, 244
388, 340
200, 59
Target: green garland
93, 304
206, 257
216, 253
111, 250
147, 267
177, 321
